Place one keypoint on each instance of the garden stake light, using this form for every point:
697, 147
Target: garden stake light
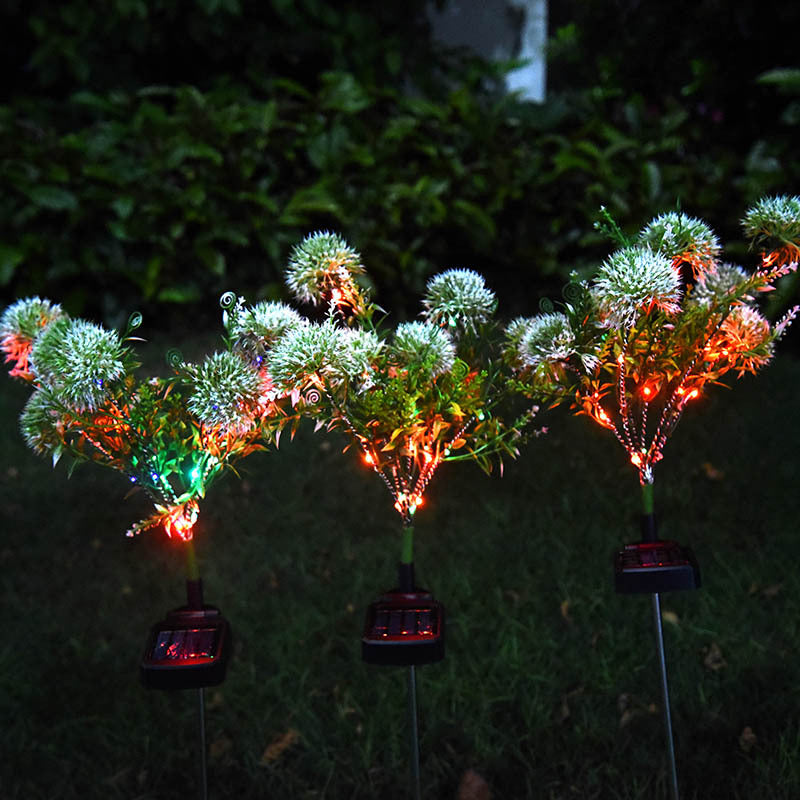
410, 400
662, 319
87, 404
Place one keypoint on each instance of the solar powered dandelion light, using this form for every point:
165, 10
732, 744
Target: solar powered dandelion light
409, 400
171, 438
662, 320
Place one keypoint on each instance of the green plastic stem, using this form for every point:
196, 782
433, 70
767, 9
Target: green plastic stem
192, 570
407, 547
647, 498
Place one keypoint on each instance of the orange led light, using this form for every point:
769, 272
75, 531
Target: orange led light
180, 520
369, 460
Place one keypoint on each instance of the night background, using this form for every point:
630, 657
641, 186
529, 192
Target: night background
156, 154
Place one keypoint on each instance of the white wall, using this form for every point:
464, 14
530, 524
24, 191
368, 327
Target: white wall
500, 30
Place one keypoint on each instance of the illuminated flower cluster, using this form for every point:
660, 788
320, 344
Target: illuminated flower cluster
458, 298
411, 397
88, 405
652, 351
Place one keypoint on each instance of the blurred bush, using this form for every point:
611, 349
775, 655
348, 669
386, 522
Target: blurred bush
156, 155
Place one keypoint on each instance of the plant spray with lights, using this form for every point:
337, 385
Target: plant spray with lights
171, 437
409, 399
663, 319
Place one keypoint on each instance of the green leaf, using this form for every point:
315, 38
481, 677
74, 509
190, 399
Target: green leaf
123, 206
787, 80
10, 258
193, 150
342, 92
474, 216
651, 178
195, 194
308, 200
179, 294
211, 257
54, 198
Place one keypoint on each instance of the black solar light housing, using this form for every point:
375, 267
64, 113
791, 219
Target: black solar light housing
654, 565
189, 649
660, 566
405, 626
404, 629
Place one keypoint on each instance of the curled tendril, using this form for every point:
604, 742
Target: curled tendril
546, 305
174, 358
312, 396
227, 300
459, 370
134, 321
572, 292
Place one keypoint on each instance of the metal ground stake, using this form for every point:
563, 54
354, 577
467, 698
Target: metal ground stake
662, 662
413, 728
201, 718
653, 566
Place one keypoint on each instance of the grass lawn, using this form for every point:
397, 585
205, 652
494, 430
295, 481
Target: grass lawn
549, 688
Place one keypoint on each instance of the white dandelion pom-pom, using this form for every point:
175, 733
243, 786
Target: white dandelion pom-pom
514, 331
265, 321
633, 281
716, 285
546, 337
458, 298
776, 220
424, 346
322, 262
25, 319
80, 359
682, 238
225, 392
355, 353
772, 216
303, 351
39, 423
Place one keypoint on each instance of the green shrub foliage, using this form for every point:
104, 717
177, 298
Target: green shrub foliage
162, 157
